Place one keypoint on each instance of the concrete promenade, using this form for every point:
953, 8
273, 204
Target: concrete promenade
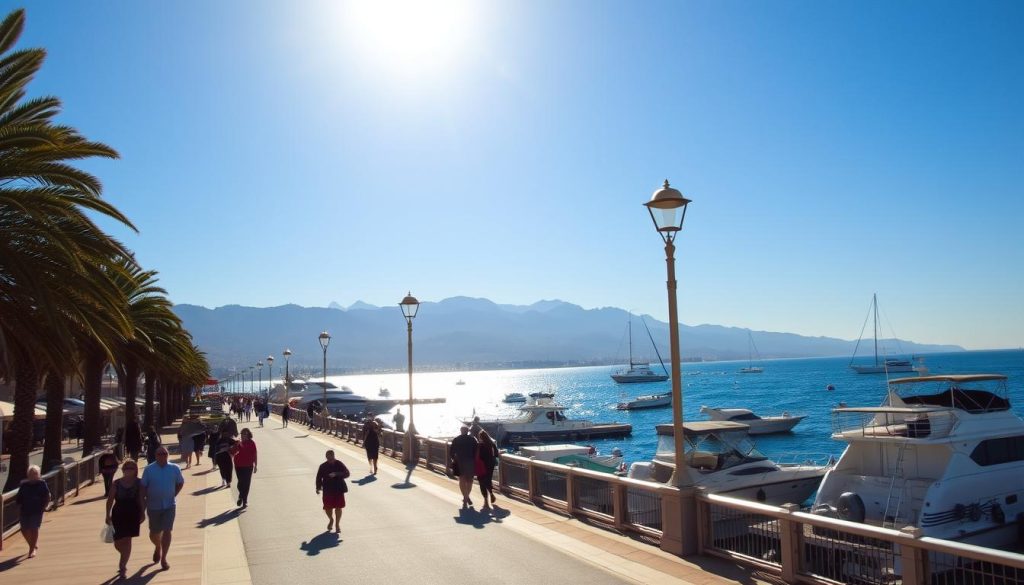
397, 527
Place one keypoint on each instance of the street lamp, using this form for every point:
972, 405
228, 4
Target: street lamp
325, 340
410, 450
252, 377
287, 354
259, 387
270, 375
668, 209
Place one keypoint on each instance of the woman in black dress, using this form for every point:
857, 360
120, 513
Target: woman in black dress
487, 454
225, 446
124, 511
371, 442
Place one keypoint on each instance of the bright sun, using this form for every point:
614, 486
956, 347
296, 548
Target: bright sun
408, 35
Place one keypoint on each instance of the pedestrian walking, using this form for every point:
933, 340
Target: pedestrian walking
152, 444
285, 411
399, 421
132, 439
248, 410
230, 425
463, 462
330, 478
108, 467
260, 412
126, 511
245, 466
371, 442
223, 452
198, 443
161, 483
33, 497
487, 459
212, 434
475, 428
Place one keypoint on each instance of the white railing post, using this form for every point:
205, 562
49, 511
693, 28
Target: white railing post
789, 541
914, 560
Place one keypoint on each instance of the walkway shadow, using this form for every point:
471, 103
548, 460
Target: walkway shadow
210, 470
408, 475
480, 518
11, 563
207, 490
301, 436
89, 501
368, 479
136, 578
221, 518
320, 542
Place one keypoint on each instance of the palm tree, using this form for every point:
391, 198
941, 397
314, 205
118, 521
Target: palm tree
52, 255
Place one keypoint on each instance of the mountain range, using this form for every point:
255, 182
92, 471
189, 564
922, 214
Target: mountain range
467, 333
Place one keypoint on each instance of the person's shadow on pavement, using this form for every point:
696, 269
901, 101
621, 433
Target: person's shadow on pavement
368, 479
220, 518
320, 542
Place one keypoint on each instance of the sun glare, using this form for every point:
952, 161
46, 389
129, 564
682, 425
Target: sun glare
411, 36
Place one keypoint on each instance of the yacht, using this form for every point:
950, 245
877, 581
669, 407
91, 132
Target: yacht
888, 365
585, 456
639, 372
649, 401
759, 425
384, 392
720, 457
942, 453
340, 401
514, 397
544, 420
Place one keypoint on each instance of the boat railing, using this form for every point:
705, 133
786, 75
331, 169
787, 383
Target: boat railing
885, 422
780, 542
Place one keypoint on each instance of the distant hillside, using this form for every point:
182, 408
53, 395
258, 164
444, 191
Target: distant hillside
463, 332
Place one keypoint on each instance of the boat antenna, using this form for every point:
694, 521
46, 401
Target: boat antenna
651, 337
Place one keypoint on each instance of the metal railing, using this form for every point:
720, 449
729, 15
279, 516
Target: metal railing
63, 481
805, 548
882, 422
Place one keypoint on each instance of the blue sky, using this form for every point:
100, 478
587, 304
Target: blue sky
313, 152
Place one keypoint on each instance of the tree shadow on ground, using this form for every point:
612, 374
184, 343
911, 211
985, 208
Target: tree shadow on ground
368, 479
221, 518
480, 518
320, 542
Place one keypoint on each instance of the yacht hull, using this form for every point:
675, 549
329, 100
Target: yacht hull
631, 379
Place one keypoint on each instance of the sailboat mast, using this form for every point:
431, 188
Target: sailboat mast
874, 303
630, 329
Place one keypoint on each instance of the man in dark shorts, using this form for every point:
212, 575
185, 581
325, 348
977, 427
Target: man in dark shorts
331, 479
161, 483
464, 461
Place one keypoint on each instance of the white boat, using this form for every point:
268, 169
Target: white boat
514, 398
639, 372
759, 425
461, 382
721, 458
541, 395
649, 401
584, 456
543, 420
751, 350
942, 453
384, 392
888, 365
340, 401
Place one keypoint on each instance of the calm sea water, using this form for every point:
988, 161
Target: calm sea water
796, 385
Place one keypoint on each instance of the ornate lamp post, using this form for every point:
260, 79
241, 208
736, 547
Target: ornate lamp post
270, 375
325, 340
259, 386
410, 451
668, 209
252, 378
287, 354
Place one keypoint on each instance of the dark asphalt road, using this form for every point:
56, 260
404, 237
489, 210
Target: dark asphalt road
390, 533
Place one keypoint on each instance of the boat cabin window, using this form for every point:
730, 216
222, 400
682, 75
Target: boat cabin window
996, 451
714, 452
744, 416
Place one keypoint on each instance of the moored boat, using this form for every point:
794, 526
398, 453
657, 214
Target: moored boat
585, 457
514, 397
639, 372
759, 425
649, 401
543, 420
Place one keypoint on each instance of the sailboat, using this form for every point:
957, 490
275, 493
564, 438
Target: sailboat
888, 365
640, 371
751, 350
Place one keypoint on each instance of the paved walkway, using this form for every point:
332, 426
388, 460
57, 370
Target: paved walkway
397, 527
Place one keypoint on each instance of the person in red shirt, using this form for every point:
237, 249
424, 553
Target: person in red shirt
244, 455
330, 478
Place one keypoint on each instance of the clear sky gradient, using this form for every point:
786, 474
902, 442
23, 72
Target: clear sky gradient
296, 152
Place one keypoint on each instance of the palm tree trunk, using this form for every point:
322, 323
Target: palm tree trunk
150, 397
130, 370
95, 362
26, 387
54, 386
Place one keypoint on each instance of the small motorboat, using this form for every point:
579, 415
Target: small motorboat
649, 401
585, 456
759, 425
514, 397
542, 395
384, 392
544, 421
461, 382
